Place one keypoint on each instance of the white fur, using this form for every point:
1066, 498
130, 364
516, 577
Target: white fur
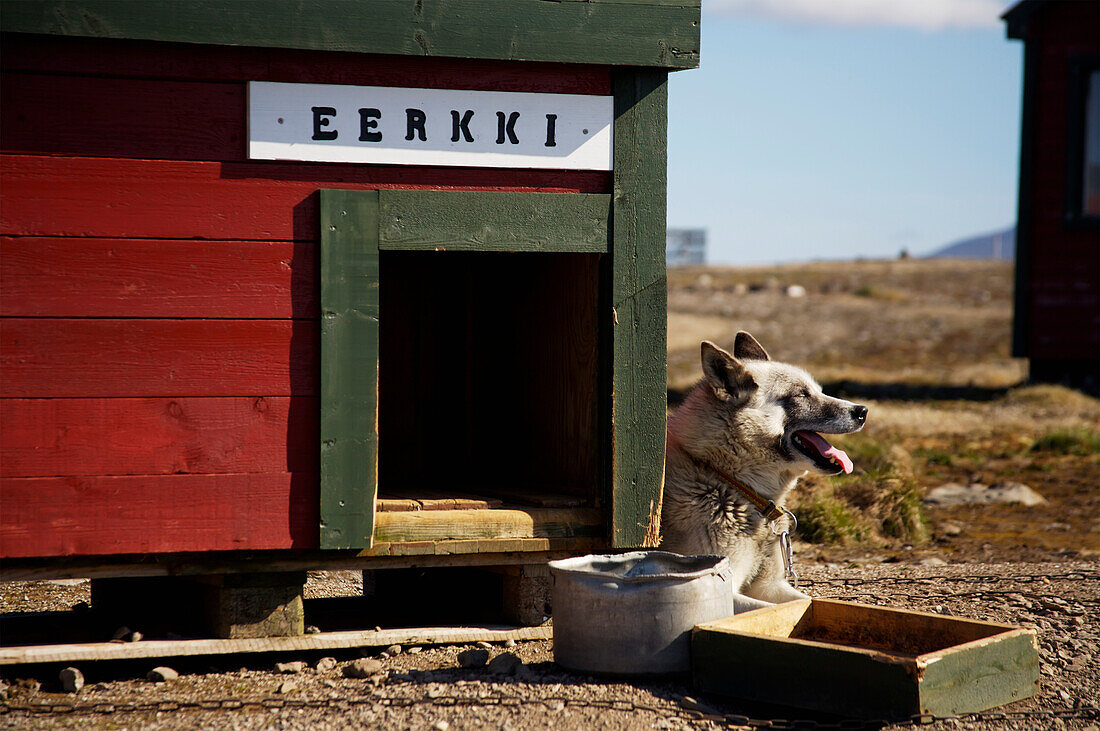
739, 420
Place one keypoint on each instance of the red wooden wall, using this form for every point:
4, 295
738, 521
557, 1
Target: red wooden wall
1063, 263
159, 292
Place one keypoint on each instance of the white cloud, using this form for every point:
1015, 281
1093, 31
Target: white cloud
928, 15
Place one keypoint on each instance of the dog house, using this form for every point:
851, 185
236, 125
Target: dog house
349, 284
1056, 323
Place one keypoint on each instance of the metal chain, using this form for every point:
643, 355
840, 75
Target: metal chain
688, 708
1022, 579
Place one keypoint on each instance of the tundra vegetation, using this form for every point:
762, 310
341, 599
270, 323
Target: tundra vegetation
926, 344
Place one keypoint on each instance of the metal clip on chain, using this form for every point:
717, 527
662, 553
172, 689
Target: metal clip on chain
785, 546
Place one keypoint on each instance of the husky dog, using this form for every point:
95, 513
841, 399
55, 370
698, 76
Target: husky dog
735, 448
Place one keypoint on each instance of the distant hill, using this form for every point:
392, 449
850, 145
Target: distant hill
996, 245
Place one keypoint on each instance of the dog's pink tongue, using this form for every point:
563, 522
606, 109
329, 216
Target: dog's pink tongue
828, 450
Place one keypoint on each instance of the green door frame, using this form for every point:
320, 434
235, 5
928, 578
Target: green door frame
627, 226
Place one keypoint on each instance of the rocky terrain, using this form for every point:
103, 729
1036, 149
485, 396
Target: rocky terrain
926, 345
499, 686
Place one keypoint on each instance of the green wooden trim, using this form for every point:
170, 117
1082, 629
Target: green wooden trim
349, 367
827, 678
428, 220
658, 33
355, 226
982, 676
639, 301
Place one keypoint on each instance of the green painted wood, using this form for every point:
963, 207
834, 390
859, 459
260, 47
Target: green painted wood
355, 226
830, 679
657, 33
975, 679
431, 220
639, 302
349, 367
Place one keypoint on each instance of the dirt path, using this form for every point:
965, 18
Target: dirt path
427, 689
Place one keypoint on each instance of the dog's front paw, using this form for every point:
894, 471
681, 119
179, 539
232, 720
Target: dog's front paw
742, 603
777, 593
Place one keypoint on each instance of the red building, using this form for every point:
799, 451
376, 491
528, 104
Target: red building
1057, 315
367, 284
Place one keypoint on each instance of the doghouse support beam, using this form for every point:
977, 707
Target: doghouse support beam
637, 399
226, 606
349, 367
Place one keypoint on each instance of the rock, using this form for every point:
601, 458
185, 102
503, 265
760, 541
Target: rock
326, 664
505, 663
796, 290
121, 634
287, 668
392, 650
312, 629
31, 685
441, 725
690, 704
951, 494
509, 642
364, 667
556, 705
288, 685
932, 561
72, 680
704, 281
135, 636
473, 658
161, 674
485, 645
414, 650
950, 529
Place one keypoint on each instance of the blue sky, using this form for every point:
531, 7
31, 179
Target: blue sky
838, 129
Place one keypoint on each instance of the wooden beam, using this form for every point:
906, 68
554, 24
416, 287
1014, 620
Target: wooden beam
483, 552
662, 33
422, 220
349, 367
305, 643
466, 525
639, 303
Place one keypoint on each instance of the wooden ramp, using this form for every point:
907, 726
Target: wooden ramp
83, 652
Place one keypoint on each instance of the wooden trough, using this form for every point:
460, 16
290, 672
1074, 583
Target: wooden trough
857, 660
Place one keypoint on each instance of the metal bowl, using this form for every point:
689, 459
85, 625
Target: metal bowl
632, 613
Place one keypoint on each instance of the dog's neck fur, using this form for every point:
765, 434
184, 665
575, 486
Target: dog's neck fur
690, 424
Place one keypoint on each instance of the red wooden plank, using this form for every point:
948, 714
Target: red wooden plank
123, 436
66, 516
105, 117
71, 277
69, 196
52, 358
145, 59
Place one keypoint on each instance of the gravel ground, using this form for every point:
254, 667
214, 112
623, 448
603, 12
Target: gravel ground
425, 687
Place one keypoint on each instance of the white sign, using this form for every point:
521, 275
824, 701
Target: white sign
399, 126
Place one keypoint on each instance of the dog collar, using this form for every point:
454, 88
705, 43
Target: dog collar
765, 507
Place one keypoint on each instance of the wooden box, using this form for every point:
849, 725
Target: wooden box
862, 661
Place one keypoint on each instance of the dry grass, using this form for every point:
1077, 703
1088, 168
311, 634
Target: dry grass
929, 341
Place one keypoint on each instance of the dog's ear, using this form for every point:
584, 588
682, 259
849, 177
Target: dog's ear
727, 377
746, 347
